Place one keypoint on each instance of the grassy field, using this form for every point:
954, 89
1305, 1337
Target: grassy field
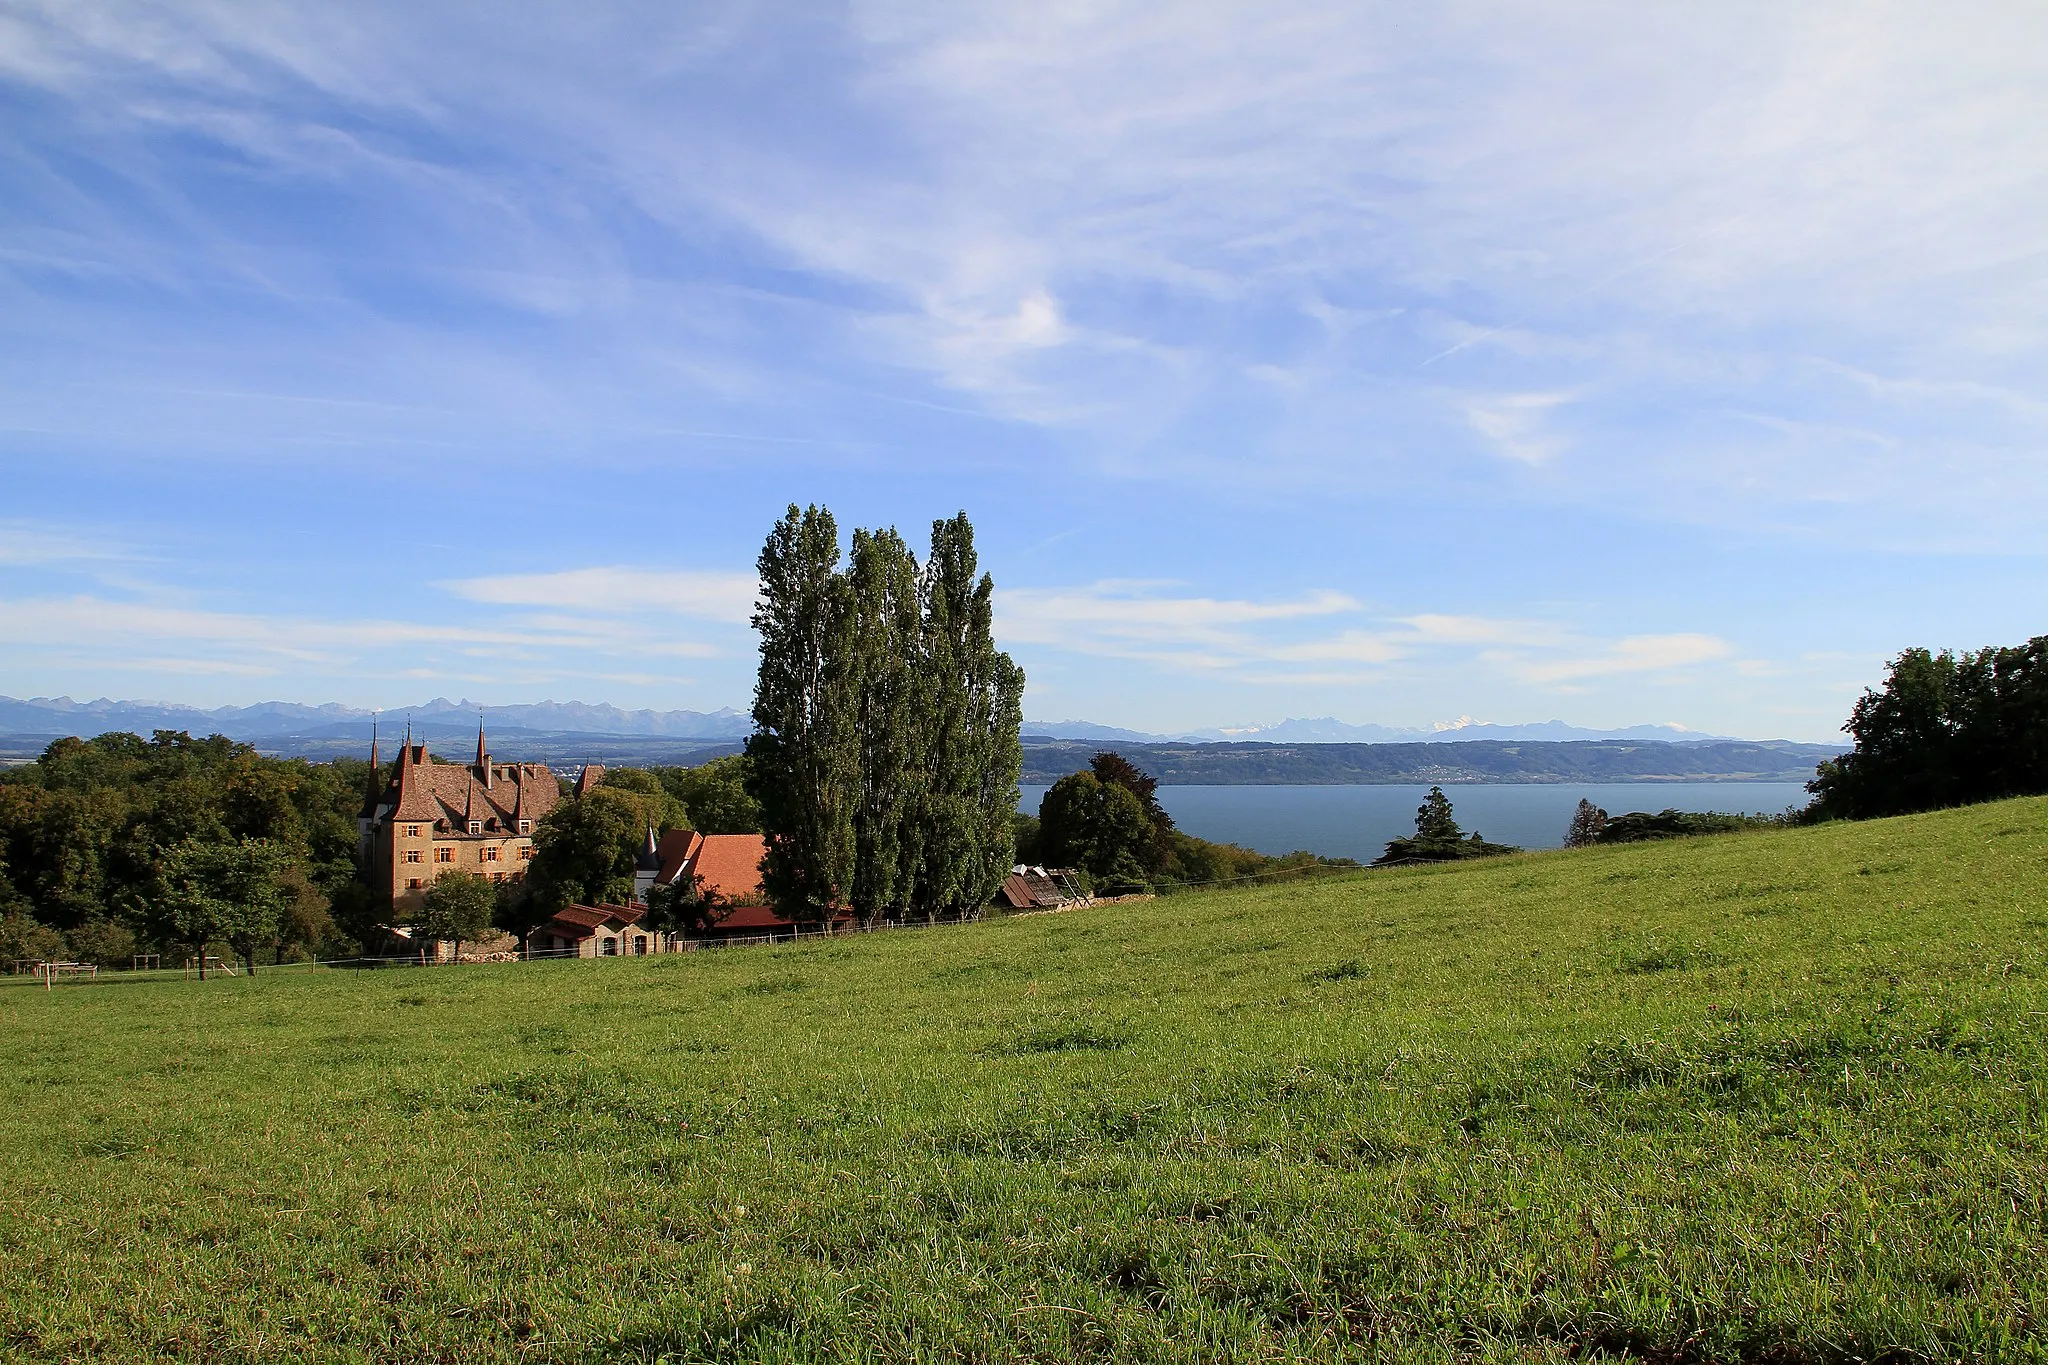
1769, 1096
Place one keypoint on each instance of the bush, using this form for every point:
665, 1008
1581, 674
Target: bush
104, 942
22, 939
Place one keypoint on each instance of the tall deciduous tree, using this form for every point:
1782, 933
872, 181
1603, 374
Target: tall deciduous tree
583, 850
804, 753
971, 714
1944, 730
1100, 827
885, 689
886, 752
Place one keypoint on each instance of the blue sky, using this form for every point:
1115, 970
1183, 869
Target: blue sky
1608, 362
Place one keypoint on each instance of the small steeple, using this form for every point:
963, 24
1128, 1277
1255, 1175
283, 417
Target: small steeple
483, 757
373, 789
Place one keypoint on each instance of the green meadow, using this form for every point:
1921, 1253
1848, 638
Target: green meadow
1767, 1096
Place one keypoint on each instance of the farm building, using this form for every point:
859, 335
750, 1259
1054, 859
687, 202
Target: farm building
600, 931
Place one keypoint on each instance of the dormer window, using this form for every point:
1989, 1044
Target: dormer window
526, 826
476, 827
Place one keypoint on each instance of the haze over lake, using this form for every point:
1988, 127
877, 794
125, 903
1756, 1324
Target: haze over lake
1356, 822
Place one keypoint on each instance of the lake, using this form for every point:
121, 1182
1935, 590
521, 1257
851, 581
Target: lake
1356, 822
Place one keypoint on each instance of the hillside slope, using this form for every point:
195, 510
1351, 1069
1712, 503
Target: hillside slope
1766, 1096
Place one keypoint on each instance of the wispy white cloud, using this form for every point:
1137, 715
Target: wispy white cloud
1285, 642
22, 546
1633, 654
709, 594
1518, 423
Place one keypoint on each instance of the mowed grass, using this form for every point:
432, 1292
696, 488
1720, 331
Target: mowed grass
1772, 1096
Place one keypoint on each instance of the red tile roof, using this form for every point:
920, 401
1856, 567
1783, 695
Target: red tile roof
729, 865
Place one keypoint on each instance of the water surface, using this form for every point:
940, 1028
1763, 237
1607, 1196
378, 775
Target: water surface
1356, 822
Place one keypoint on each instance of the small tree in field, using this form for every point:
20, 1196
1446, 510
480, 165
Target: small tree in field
459, 906
1587, 823
210, 890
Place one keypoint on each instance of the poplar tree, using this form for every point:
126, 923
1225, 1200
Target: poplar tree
885, 753
885, 685
970, 718
804, 750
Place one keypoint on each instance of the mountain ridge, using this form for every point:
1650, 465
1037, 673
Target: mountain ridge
57, 716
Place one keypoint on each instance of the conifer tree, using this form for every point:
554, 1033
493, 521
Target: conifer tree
1588, 822
804, 751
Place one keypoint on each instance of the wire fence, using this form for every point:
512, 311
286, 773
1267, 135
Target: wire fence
48, 974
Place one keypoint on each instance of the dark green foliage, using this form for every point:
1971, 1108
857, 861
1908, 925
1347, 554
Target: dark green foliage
887, 693
210, 891
886, 752
1084, 832
714, 795
1024, 837
967, 745
682, 907
86, 829
1637, 826
459, 907
803, 755
23, 939
660, 808
1437, 837
106, 942
584, 850
1097, 826
1945, 730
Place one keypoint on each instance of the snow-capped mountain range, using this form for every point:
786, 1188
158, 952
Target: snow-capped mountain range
63, 716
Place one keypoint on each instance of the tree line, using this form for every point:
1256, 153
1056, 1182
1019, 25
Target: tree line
1945, 729
119, 845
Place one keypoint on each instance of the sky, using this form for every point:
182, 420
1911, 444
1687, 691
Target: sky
1614, 363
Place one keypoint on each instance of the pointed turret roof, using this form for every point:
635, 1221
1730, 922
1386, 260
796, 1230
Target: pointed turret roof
373, 789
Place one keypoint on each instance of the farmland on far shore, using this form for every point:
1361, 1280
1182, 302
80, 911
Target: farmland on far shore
1776, 1095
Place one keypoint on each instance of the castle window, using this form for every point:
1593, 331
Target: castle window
526, 826
444, 853
497, 876
525, 853
412, 855
476, 827
488, 855
412, 831
413, 883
